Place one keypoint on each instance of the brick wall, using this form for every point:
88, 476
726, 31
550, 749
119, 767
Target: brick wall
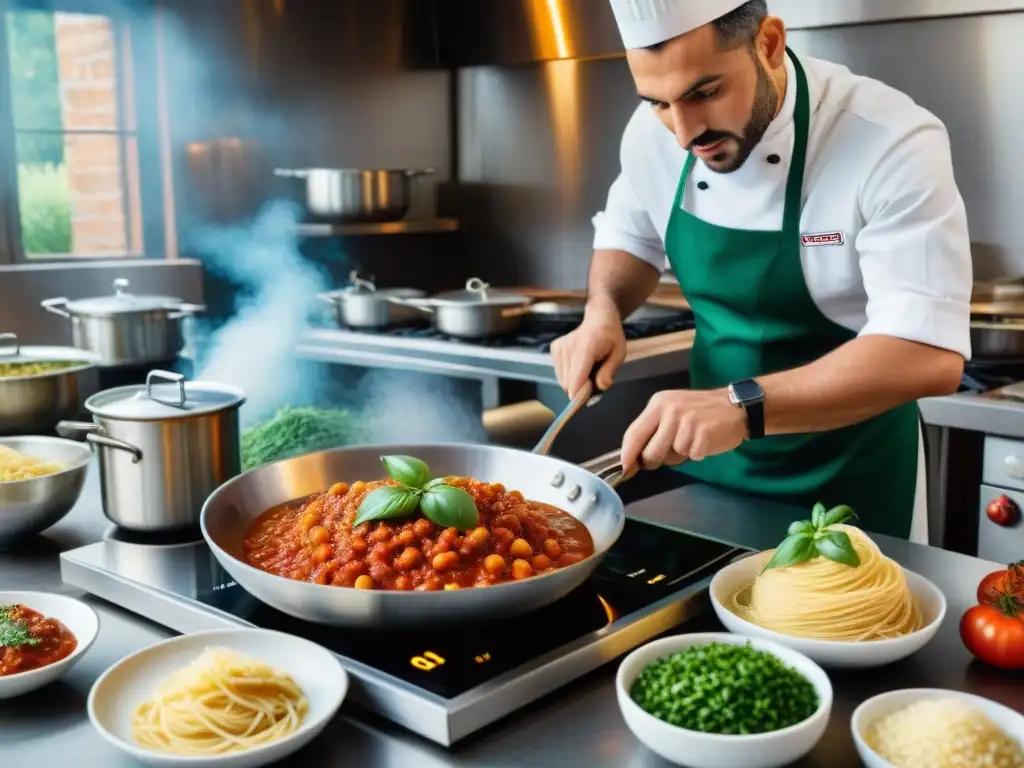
86, 57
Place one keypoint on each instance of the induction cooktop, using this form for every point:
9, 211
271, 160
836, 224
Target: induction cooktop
444, 682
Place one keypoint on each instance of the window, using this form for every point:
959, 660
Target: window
71, 144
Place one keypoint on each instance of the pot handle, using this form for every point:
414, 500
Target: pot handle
185, 310
291, 173
57, 306
174, 378
423, 305
90, 432
327, 298
517, 311
13, 338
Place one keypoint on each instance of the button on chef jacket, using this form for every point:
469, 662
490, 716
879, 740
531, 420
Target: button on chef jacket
885, 247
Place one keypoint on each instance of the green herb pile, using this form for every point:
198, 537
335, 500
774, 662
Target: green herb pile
725, 689
444, 505
298, 431
14, 633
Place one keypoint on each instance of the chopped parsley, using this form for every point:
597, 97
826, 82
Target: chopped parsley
14, 633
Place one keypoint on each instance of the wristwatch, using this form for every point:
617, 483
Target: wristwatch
748, 395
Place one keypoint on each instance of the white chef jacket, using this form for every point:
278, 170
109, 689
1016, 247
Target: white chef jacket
893, 256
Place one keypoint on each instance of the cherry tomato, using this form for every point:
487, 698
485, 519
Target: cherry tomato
1008, 581
994, 634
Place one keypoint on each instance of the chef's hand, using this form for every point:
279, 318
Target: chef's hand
681, 424
598, 339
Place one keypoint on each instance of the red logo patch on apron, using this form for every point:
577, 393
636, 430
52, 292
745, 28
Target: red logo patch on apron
822, 238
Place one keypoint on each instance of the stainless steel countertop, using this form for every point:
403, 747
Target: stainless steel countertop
967, 410
654, 356
579, 725
646, 358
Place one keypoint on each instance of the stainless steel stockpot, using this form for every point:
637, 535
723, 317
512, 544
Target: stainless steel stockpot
126, 329
163, 448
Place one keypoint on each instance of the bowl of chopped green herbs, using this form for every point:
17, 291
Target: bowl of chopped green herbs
719, 700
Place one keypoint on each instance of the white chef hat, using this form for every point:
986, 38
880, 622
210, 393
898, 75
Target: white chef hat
648, 22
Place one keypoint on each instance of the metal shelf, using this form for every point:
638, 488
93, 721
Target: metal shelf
411, 227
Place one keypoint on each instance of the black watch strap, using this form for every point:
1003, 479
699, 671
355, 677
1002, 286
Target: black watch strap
748, 395
755, 419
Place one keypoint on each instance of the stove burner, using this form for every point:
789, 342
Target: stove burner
154, 539
536, 332
985, 375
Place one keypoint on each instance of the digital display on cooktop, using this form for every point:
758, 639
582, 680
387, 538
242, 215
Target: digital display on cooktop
646, 564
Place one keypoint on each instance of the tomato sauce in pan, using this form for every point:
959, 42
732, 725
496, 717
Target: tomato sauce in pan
313, 540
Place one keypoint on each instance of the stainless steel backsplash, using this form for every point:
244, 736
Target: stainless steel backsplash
539, 143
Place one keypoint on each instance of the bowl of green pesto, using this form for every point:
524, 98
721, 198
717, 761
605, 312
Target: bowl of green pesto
719, 700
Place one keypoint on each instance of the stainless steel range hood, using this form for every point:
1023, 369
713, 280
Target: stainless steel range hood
510, 32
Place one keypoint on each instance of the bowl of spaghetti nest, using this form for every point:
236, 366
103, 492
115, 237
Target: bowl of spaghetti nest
41, 479
235, 698
829, 592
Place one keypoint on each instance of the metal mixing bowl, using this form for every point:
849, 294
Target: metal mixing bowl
30, 506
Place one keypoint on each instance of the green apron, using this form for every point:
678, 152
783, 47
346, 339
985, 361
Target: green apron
754, 316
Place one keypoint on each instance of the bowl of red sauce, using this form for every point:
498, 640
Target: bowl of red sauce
42, 636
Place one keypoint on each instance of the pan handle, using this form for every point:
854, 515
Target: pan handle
608, 468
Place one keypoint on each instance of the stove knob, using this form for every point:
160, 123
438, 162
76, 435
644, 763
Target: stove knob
1014, 467
1003, 511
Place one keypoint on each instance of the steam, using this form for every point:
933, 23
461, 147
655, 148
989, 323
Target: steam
255, 349
401, 409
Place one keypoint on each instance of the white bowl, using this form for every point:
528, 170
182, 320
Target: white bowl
73, 614
708, 750
885, 704
830, 653
121, 689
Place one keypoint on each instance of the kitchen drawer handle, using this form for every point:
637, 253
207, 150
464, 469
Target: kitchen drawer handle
1014, 467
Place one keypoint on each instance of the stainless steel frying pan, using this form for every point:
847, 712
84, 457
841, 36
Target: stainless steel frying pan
229, 511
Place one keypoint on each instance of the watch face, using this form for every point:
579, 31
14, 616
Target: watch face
747, 391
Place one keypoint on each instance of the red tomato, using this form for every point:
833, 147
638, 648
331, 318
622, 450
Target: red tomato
994, 634
1009, 581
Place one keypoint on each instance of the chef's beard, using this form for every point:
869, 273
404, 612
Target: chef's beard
766, 102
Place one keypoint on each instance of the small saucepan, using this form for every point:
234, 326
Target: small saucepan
997, 330
476, 312
363, 305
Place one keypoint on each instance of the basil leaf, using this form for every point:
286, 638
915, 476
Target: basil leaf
387, 502
801, 526
434, 482
837, 515
450, 507
836, 545
794, 549
817, 513
406, 470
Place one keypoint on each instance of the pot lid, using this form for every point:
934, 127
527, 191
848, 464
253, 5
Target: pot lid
175, 399
121, 302
363, 287
479, 293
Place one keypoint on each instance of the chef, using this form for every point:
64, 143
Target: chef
812, 220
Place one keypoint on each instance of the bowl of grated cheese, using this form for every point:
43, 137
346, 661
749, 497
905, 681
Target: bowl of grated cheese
937, 728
